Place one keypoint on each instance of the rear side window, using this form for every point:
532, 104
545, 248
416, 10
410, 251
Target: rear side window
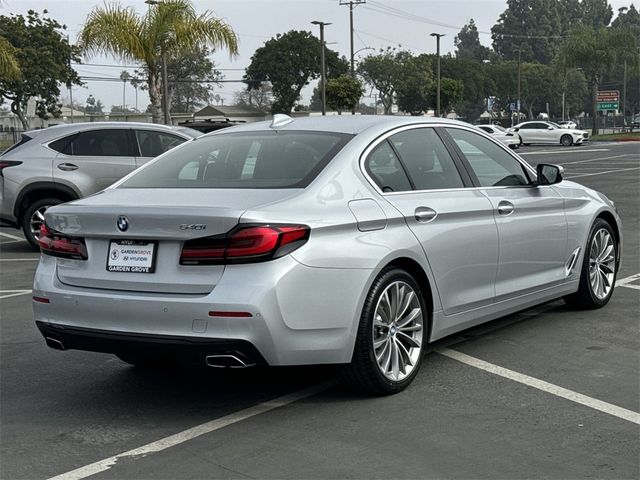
264, 159
23, 139
385, 169
154, 143
109, 142
62, 145
426, 159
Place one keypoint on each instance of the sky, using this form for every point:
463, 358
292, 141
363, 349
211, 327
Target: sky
377, 25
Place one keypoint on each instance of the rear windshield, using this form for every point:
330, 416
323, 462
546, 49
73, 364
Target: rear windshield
264, 159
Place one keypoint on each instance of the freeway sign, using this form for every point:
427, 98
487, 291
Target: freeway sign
608, 105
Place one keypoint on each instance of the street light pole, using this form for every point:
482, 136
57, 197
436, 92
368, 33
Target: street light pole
322, 66
519, 79
438, 35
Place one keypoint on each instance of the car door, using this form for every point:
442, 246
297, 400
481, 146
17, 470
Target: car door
91, 160
152, 143
454, 224
531, 221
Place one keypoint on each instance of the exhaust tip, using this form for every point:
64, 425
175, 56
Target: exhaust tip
55, 344
226, 361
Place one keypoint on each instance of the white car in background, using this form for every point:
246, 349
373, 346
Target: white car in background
549, 133
512, 140
568, 124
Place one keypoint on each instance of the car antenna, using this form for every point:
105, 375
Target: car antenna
280, 120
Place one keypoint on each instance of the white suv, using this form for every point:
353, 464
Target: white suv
62, 163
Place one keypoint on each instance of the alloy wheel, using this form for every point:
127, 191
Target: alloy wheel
36, 220
398, 331
602, 263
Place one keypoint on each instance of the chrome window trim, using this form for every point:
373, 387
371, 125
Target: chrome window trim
367, 151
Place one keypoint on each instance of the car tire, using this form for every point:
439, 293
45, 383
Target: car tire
566, 140
391, 335
599, 269
32, 218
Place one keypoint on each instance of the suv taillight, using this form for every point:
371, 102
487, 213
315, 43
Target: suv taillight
59, 245
7, 163
245, 244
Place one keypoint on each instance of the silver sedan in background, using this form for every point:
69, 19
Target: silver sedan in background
351, 240
510, 139
549, 133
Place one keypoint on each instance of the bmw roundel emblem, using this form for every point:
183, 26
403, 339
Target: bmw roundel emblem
123, 223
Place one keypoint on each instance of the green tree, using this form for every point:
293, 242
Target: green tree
533, 26
8, 63
596, 51
477, 83
382, 71
451, 92
170, 28
413, 81
93, 106
343, 93
289, 62
43, 57
628, 19
468, 44
596, 13
192, 76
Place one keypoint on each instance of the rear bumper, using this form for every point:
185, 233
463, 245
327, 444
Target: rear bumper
292, 314
188, 349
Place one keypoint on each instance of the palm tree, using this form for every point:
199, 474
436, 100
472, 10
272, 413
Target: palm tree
167, 29
596, 51
9, 68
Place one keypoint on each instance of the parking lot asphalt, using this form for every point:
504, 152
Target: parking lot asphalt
549, 392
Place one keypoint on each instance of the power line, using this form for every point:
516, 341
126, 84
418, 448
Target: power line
142, 66
177, 80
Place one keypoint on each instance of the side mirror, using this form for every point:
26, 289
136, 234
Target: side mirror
549, 174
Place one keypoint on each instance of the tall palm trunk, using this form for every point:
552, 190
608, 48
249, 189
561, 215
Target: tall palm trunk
155, 95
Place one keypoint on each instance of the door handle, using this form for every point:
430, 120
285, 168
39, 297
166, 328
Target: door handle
425, 214
67, 167
505, 208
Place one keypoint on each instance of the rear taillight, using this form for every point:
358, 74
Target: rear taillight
59, 245
245, 244
7, 163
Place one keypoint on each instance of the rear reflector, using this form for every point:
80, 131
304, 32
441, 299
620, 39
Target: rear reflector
245, 244
216, 313
59, 245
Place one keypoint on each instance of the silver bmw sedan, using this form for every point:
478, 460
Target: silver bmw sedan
350, 240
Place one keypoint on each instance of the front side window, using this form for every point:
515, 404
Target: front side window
493, 166
109, 142
261, 159
154, 143
426, 159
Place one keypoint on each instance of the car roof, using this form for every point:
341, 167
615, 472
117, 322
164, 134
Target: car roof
349, 124
56, 131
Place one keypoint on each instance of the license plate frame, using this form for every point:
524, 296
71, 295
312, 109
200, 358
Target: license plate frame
132, 256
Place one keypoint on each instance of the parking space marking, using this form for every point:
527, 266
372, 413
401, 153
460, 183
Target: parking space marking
12, 237
191, 433
627, 282
13, 293
34, 259
602, 173
599, 405
566, 151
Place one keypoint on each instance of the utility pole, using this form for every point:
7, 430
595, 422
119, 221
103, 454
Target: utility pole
438, 35
624, 94
351, 3
323, 71
519, 82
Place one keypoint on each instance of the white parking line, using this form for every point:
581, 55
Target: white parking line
626, 282
601, 173
12, 237
566, 151
192, 433
605, 407
35, 259
13, 293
